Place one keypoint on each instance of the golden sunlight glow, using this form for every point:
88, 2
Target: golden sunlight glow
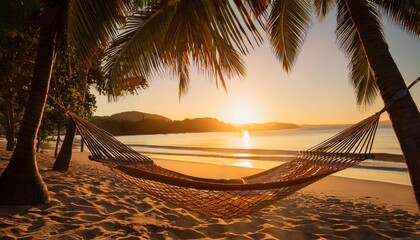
246, 139
242, 113
247, 164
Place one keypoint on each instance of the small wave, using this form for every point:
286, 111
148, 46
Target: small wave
223, 150
235, 156
385, 162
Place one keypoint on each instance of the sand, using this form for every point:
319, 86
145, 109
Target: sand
90, 202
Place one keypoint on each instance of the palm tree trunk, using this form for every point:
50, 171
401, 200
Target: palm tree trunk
21, 182
82, 145
10, 122
57, 143
403, 113
62, 163
38, 144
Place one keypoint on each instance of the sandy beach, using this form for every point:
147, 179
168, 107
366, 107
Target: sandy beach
91, 202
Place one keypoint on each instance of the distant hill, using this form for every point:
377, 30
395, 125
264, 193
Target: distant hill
133, 123
160, 125
134, 116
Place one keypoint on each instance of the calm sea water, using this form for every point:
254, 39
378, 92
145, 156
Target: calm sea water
266, 149
289, 139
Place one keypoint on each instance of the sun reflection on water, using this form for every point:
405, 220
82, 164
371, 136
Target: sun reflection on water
245, 163
242, 155
246, 139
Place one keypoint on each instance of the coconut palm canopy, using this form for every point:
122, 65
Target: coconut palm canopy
169, 35
212, 35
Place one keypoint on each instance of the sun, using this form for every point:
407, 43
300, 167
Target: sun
242, 113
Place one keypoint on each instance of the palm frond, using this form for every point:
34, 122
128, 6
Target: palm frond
258, 7
183, 73
287, 26
130, 85
93, 23
135, 51
246, 17
404, 13
206, 34
361, 75
221, 17
322, 7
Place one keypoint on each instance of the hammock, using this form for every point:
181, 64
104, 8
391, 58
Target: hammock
233, 197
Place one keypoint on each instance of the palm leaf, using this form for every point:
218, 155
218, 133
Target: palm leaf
258, 7
288, 25
207, 34
92, 23
134, 52
404, 13
322, 7
361, 75
183, 73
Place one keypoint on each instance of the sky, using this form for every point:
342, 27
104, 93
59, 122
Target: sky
316, 91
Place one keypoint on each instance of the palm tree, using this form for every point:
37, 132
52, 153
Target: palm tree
20, 182
18, 31
371, 65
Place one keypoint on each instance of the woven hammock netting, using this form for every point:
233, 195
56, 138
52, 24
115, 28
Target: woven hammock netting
234, 197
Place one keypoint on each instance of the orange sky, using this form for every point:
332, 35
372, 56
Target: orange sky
317, 91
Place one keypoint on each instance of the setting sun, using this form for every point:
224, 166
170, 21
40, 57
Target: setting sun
243, 115
243, 112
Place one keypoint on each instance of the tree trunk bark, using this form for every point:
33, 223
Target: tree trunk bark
57, 143
10, 124
62, 163
20, 182
403, 113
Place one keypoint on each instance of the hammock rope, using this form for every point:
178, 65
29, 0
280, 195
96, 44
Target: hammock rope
232, 197
228, 198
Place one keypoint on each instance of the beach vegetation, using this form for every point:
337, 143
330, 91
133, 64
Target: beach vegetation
65, 95
20, 182
18, 41
72, 93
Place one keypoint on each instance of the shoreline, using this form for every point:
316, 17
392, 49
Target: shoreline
264, 154
91, 202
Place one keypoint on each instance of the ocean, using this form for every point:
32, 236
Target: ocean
266, 149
